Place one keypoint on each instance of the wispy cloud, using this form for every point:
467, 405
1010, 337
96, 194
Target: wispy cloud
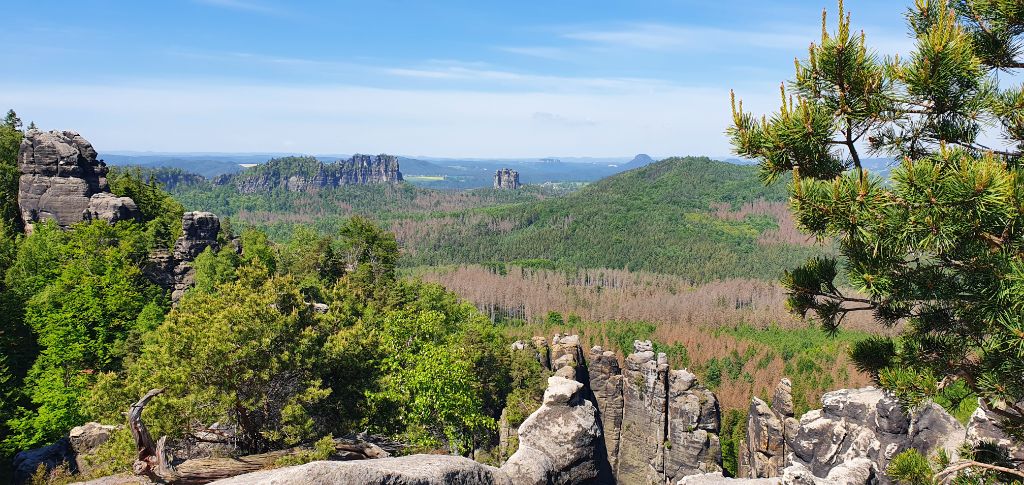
688, 38
244, 5
554, 53
681, 37
434, 73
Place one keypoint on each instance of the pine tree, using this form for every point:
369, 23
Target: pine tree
937, 249
11, 120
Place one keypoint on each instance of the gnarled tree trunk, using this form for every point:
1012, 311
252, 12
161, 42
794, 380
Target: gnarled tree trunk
155, 463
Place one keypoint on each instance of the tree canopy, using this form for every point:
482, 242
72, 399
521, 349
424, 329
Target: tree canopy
938, 248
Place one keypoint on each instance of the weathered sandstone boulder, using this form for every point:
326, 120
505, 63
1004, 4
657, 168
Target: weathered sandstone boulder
61, 180
66, 451
199, 230
558, 443
405, 470
869, 423
770, 432
859, 471
566, 351
693, 425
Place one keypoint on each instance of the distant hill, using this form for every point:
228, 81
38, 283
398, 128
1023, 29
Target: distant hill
208, 166
638, 161
679, 215
413, 166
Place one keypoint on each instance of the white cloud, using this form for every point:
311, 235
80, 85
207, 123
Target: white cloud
200, 116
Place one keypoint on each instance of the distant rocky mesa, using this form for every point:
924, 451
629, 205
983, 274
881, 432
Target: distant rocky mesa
506, 179
307, 174
61, 180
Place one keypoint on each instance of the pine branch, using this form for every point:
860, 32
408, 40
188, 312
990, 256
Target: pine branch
963, 465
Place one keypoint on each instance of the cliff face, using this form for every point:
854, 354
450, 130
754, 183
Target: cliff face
657, 424
173, 270
506, 179
307, 174
61, 180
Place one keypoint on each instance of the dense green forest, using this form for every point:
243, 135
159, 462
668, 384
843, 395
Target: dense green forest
682, 216
657, 218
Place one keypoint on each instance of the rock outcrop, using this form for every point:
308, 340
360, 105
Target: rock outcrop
61, 180
606, 388
853, 426
66, 451
859, 471
173, 270
307, 174
506, 179
566, 355
870, 423
984, 428
770, 432
405, 470
558, 443
670, 423
642, 440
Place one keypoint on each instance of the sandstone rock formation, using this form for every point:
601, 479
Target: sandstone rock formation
644, 397
870, 423
173, 270
984, 427
558, 443
859, 471
770, 432
566, 355
852, 425
61, 180
670, 423
66, 451
506, 179
307, 174
606, 389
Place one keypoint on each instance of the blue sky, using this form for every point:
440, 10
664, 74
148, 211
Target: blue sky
435, 78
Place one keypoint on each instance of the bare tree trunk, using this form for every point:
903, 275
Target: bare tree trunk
151, 460
154, 462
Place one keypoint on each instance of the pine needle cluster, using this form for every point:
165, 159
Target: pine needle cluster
937, 248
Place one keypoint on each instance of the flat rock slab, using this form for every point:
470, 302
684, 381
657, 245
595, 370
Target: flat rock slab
405, 470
